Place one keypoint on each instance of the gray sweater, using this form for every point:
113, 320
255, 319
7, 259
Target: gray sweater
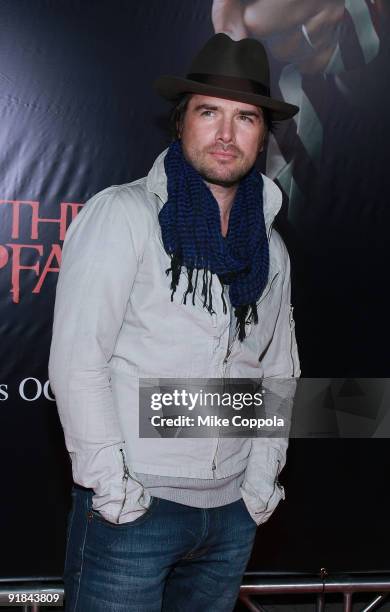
196, 492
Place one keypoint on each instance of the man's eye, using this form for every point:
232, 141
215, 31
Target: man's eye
207, 113
246, 118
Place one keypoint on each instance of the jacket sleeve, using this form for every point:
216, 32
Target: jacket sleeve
99, 264
261, 489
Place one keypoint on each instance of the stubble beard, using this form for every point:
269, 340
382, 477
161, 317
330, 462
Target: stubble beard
218, 174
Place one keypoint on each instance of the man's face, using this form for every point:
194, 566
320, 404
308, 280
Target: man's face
221, 138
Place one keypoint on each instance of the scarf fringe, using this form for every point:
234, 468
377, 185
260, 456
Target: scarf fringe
190, 288
196, 284
175, 269
223, 299
241, 313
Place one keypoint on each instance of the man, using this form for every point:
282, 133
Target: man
178, 274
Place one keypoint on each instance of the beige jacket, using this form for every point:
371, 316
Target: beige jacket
115, 322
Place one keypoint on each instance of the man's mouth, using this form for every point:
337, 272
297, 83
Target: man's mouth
223, 154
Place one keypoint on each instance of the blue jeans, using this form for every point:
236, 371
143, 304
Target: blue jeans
173, 558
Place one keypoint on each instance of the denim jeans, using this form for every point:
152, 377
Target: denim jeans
173, 558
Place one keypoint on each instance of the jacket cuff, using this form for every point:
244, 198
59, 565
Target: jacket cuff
261, 504
122, 504
118, 496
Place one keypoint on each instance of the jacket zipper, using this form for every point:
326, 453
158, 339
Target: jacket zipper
224, 364
125, 478
214, 461
228, 352
226, 360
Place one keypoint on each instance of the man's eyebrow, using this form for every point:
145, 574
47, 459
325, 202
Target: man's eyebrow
241, 111
249, 113
206, 107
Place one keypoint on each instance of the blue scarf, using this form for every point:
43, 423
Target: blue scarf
191, 233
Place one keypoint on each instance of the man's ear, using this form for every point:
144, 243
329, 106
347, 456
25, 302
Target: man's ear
262, 145
264, 140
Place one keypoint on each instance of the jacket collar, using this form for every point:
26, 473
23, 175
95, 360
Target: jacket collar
156, 182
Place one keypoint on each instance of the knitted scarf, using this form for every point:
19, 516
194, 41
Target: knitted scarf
191, 233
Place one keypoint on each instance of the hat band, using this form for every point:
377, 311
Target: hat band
229, 82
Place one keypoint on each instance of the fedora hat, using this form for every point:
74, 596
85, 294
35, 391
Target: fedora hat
235, 70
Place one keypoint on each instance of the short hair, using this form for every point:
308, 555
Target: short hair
179, 110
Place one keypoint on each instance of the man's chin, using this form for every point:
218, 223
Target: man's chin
223, 179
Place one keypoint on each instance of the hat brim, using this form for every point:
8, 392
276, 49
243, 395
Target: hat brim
171, 88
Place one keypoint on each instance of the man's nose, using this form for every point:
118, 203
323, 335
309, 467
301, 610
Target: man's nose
225, 132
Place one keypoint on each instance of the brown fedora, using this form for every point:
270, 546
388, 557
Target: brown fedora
235, 70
